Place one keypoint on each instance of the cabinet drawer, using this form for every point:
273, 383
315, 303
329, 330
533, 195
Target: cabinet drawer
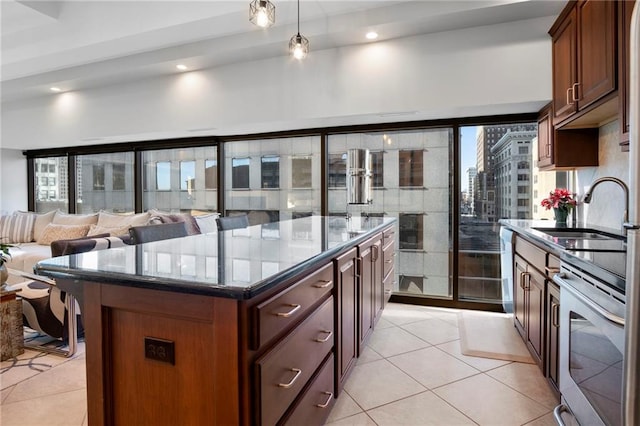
285, 370
388, 236
533, 255
388, 258
389, 282
553, 266
285, 309
317, 401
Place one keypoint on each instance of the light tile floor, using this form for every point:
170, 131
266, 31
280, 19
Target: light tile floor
410, 373
413, 373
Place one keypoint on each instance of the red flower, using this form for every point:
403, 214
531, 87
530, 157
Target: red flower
559, 198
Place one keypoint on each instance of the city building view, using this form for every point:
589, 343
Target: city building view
277, 179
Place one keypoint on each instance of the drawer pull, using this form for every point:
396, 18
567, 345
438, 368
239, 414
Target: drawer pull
330, 333
389, 261
296, 307
550, 270
555, 309
325, 285
288, 385
326, 404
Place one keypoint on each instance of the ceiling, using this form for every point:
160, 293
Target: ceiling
76, 45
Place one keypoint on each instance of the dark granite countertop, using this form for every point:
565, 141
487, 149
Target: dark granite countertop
239, 264
605, 259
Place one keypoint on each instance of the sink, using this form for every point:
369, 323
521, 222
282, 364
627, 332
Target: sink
580, 233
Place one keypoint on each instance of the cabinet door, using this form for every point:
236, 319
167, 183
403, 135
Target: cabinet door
564, 48
519, 293
553, 334
366, 294
624, 34
534, 287
596, 51
545, 148
378, 284
346, 300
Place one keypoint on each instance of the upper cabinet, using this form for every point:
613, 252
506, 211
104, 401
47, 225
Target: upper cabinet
567, 148
584, 64
624, 32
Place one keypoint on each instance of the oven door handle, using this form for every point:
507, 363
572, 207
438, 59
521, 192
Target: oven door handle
557, 414
559, 279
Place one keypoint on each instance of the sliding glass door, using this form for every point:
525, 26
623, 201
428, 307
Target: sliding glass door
411, 181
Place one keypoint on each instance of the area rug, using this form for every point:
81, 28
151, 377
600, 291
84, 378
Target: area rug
491, 335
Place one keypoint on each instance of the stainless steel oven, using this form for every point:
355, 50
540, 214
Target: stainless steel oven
592, 310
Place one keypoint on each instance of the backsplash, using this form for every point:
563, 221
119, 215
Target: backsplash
608, 203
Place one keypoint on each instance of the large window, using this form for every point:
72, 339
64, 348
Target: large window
273, 179
181, 179
411, 181
105, 182
51, 189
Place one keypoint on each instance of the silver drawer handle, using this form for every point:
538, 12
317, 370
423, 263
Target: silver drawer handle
326, 338
326, 404
325, 285
288, 385
291, 312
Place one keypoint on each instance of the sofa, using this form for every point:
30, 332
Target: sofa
32, 235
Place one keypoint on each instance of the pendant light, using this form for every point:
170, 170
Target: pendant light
262, 13
299, 44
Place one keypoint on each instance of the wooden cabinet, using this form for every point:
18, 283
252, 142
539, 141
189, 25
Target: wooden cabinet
317, 401
624, 32
561, 149
388, 262
346, 281
584, 64
285, 369
529, 302
553, 335
536, 300
285, 309
370, 287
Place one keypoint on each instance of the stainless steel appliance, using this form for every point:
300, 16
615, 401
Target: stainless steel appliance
359, 182
591, 317
507, 238
631, 391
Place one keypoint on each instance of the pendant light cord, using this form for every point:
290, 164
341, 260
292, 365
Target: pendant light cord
298, 17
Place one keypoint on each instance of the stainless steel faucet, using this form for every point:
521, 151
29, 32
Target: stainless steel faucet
589, 194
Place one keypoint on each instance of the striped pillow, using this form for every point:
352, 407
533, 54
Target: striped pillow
17, 228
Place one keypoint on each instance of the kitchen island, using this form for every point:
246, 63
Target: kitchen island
259, 325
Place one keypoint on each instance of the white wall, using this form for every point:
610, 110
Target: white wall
608, 202
13, 181
496, 69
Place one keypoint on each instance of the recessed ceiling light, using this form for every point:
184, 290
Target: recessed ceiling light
371, 35
55, 89
181, 67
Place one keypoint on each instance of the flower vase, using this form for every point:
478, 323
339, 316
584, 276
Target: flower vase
560, 216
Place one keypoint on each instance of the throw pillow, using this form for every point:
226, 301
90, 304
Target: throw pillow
42, 220
17, 228
75, 219
189, 221
111, 231
53, 232
113, 220
207, 222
